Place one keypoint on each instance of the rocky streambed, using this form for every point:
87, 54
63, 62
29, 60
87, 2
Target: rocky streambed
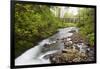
75, 49
66, 46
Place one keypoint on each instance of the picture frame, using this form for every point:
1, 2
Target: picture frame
13, 35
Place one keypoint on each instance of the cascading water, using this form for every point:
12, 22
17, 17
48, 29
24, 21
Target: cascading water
50, 45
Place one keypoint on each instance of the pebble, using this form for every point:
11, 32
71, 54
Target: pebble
73, 52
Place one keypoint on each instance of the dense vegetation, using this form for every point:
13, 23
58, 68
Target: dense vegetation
33, 23
86, 24
36, 22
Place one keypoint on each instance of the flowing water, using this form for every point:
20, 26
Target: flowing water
36, 55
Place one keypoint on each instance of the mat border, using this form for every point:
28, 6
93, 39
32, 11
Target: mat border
12, 41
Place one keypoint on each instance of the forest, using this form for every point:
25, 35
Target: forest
34, 23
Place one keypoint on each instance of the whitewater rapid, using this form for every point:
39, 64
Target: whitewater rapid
35, 56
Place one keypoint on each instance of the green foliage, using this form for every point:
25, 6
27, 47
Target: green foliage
21, 46
67, 15
64, 25
86, 24
32, 24
36, 22
91, 38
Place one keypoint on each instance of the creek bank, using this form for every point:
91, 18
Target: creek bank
76, 49
66, 46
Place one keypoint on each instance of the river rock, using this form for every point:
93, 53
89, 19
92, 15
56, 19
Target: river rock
67, 44
64, 51
77, 59
72, 31
76, 49
57, 58
68, 56
77, 38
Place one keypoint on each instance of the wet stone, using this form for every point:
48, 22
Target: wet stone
76, 49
